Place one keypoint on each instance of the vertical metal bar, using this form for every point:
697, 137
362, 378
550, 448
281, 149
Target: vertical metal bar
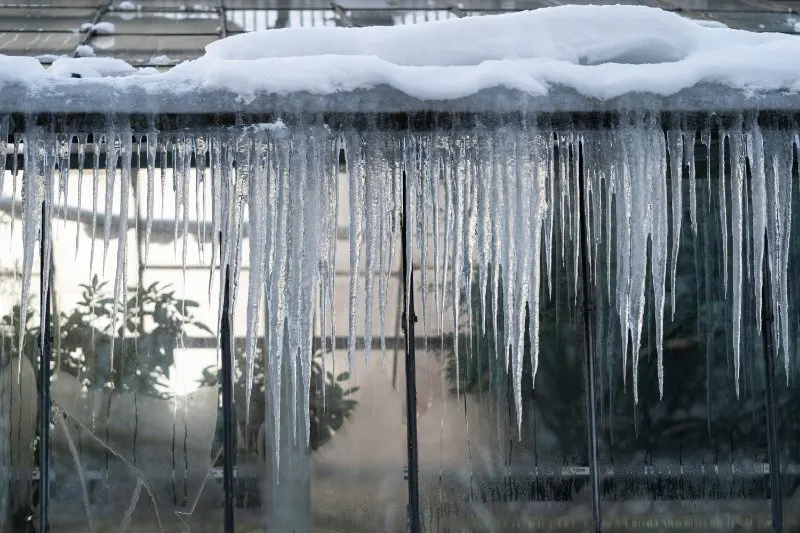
228, 445
589, 345
44, 385
769, 384
409, 318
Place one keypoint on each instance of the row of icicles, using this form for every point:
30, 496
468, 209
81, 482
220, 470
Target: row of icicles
484, 198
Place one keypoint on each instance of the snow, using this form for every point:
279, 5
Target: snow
161, 60
91, 67
104, 28
101, 28
619, 50
84, 50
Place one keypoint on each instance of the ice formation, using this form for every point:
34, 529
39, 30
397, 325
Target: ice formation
494, 203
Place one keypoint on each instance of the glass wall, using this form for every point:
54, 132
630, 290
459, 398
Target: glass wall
136, 417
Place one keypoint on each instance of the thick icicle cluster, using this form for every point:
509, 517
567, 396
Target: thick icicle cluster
494, 204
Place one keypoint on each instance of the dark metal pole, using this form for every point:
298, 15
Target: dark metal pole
409, 318
44, 383
769, 384
589, 344
228, 444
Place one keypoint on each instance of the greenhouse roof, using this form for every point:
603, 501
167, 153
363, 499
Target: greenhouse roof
162, 33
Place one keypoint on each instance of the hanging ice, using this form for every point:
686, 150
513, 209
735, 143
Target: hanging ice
496, 205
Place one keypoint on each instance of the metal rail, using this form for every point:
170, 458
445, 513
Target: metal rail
409, 319
44, 382
590, 351
228, 430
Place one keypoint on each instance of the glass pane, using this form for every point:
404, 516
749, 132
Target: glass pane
32, 19
358, 428
240, 20
772, 22
138, 22
19, 430
481, 469
135, 436
154, 48
697, 457
38, 43
724, 5
787, 392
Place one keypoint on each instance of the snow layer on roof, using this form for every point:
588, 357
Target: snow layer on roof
600, 51
93, 67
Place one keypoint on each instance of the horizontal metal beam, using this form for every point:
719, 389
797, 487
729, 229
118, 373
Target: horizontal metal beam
89, 103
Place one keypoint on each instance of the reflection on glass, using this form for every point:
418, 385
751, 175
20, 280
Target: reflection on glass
787, 393
134, 429
479, 472
697, 458
18, 387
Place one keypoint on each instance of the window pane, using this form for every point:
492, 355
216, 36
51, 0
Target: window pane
19, 459
135, 437
699, 454
787, 394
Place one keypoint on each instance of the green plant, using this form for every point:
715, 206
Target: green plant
145, 330
330, 404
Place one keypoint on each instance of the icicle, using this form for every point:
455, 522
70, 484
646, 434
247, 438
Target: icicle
374, 184
97, 139
215, 162
486, 157
391, 170
758, 188
47, 159
723, 209
459, 185
14, 173
64, 146
690, 136
316, 186
509, 259
152, 146
120, 281
354, 160
539, 208
186, 156
675, 149
3, 149
778, 148
498, 234
549, 170
277, 284
31, 218
658, 237
112, 154
82, 140
200, 193
624, 208
737, 227
258, 213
